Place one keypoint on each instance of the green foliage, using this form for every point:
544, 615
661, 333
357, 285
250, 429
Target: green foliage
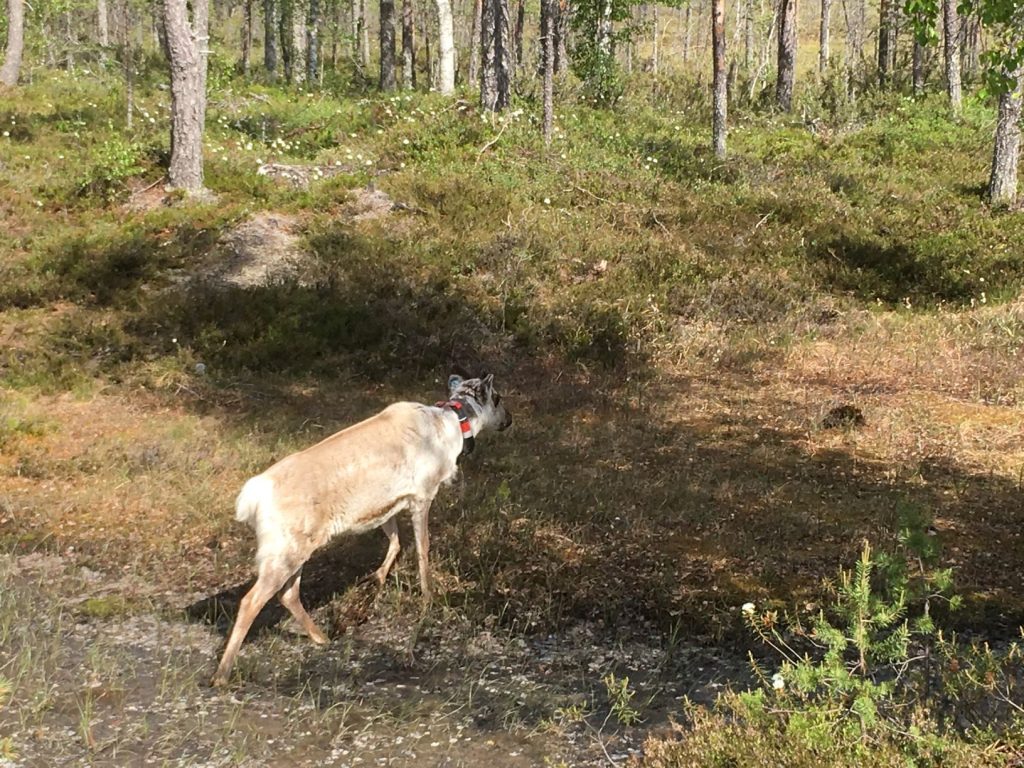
873, 674
923, 16
620, 699
1004, 58
117, 161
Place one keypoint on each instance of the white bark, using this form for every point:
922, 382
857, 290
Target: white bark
446, 50
1002, 185
15, 42
102, 23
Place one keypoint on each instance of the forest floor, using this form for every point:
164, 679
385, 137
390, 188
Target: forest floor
670, 335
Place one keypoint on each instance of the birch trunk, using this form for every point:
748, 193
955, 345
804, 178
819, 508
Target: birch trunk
1002, 186
951, 32
548, 22
721, 96
446, 47
15, 43
408, 46
388, 81
824, 37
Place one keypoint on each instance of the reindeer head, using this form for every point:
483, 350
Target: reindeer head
483, 398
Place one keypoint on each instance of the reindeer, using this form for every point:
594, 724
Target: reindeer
355, 480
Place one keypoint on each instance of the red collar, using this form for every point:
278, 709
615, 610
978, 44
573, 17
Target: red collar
468, 441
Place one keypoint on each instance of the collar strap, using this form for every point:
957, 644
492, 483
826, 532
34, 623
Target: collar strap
468, 441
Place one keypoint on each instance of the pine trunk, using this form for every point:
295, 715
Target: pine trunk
285, 27
718, 126
497, 60
474, 45
885, 41
1002, 186
313, 41
187, 50
270, 37
787, 55
517, 44
824, 37
246, 35
15, 43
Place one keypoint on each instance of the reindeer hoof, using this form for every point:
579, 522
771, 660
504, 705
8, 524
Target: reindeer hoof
318, 637
219, 681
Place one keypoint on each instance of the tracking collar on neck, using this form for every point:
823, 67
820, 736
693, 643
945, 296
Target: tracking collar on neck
468, 441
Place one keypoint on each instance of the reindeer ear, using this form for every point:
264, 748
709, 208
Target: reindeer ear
454, 382
487, 383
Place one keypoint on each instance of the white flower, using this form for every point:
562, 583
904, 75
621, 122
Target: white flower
547, 201
748, 609
778, 681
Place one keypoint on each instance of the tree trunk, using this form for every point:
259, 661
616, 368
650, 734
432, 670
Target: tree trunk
388, 81
548, 23
917, 68
886, 47
408, 46
270, 37
824, 36
70, 43
951, 32
187, 48
285, 27
363, 36
604, 30
475, 37
159, 29
854, 11
425, 34
748, 36
313, 41
298, 33
562, 13
128, 64
517, 37
970, 38
1002, 185
497, 60
246, 33
15, 43
654, 43
787, 55
687, 22
718, 125
102, 24
446, 46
